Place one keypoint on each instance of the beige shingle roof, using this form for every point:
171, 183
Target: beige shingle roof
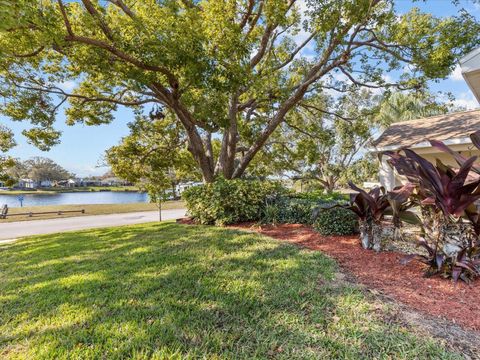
457, 125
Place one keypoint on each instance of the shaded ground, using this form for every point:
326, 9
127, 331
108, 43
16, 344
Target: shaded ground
385, 272
175, 291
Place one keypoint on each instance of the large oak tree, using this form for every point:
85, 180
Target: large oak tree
227, 69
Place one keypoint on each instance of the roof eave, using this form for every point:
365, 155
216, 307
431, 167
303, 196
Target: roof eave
419, 145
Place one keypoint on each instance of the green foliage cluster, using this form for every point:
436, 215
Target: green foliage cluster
229, 201
288, 210
321, 196
335, 221
6, 162
231, 70
312, 208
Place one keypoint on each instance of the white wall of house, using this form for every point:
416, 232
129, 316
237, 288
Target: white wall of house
470, 66
389, 178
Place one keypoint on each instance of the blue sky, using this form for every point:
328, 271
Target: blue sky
82, 146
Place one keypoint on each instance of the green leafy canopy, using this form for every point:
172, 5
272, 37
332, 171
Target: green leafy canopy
227, 70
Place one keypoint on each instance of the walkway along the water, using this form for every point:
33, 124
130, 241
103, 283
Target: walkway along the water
14, 230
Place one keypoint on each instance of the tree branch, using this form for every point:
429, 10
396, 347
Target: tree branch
33, 53
247, 14
124, 8
295, 52
94, 13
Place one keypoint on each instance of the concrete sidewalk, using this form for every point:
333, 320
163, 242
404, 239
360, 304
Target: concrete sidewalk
14, 230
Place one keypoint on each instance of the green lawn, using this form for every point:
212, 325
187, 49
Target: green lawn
175, 291
90, 209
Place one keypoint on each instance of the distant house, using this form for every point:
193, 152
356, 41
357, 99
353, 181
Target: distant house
180, 188
70, 183
27, 184
453, 129
90, 182
114, 181
32, 184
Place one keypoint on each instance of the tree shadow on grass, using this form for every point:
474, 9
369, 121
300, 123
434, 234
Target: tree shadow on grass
166, 289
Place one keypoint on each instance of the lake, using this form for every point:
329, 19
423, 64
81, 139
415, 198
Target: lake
75, 198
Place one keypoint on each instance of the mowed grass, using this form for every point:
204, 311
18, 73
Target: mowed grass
168, 291
90, 209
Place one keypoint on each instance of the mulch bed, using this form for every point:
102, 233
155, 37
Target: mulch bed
385, 272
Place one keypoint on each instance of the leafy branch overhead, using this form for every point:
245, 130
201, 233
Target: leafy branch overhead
230, 70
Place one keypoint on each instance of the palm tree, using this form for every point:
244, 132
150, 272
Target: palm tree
408, 106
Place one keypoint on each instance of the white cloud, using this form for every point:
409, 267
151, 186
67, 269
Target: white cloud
302, 34
68, 85
466, 100
456, 74
83, 170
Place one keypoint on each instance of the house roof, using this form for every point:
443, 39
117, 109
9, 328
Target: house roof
458, 125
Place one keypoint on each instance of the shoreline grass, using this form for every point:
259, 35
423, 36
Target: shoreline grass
90, 209
188, 292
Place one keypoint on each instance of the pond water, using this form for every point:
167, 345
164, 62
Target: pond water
74, 198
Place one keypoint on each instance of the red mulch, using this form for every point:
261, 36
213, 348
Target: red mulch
384, 271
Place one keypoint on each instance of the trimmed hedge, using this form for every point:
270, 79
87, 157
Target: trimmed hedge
320, 196
287, 210
229, 201
335, 221
299, 208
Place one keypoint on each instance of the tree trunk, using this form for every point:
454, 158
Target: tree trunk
397, 229
377, 235
201, 151
455, 237
364, 233
270, 128
159, 205
226, 159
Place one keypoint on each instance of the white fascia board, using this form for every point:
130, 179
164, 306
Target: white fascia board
469, 56
419, 145
475, 90
470, 67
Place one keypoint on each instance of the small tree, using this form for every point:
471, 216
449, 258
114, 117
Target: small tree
6, 162
156, 186
153, 156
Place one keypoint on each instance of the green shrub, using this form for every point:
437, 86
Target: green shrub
287, 210
320, 196
298, 208
229, 201
335, 221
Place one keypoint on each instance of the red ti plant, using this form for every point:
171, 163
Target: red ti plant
465, 265
400, 204
370, 208
444, 188
439, 185
459, 158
